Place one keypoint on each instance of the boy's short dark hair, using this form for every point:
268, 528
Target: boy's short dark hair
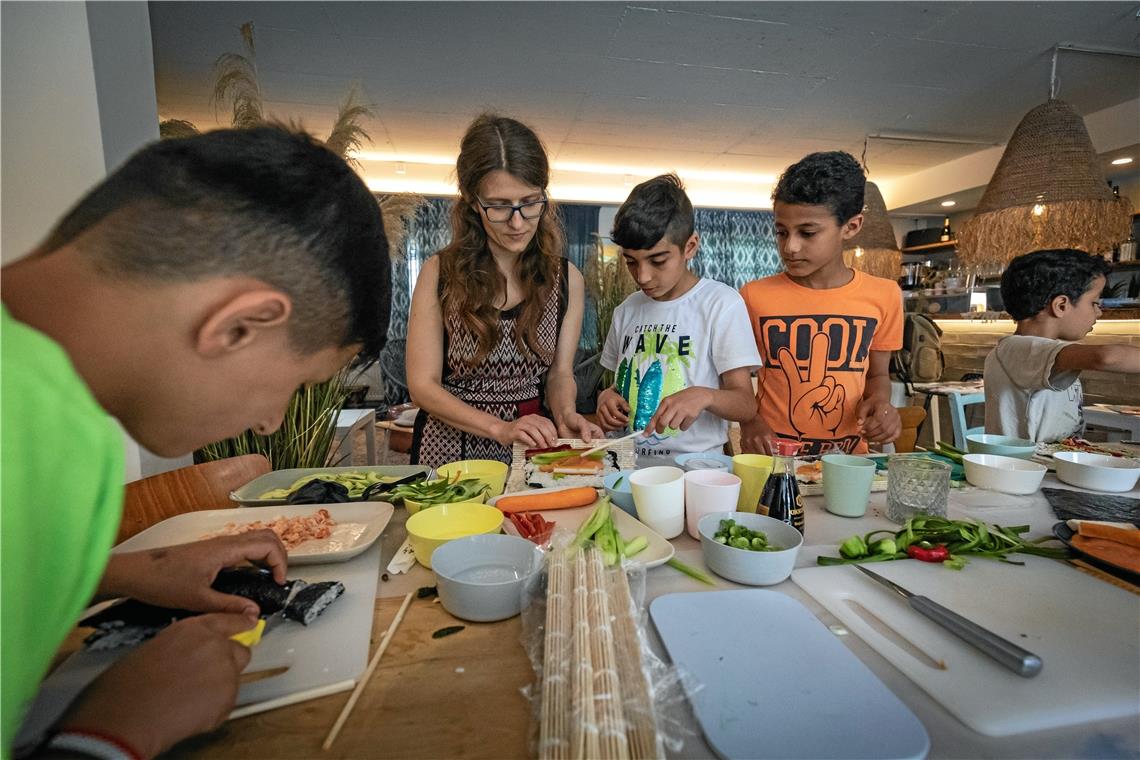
657, 208
833, 179
1031, 281
267, 203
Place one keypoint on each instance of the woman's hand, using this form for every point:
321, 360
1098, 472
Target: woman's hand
613, 410
531, 430
576, 426
180, 576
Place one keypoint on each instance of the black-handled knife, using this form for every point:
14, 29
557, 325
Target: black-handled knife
1006, 653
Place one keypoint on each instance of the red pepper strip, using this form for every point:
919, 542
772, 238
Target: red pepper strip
524, 528
937, 553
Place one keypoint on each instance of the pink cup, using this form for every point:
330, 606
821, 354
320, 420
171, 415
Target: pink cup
708, 491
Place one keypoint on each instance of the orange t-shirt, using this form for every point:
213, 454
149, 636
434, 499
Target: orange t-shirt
816, 347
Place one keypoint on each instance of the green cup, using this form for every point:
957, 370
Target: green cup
847, 484
753, 471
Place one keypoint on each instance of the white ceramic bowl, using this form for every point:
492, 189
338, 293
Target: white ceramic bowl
1097, 472
749, 567
483, 578
1005, 474
1002, 445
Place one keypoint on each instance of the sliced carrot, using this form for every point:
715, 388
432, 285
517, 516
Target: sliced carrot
541, 500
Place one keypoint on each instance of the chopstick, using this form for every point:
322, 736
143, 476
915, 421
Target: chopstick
611, 442
367, 673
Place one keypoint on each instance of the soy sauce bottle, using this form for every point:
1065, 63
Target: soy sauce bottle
781, 495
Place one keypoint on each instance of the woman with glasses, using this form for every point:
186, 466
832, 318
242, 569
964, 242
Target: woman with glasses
496, 314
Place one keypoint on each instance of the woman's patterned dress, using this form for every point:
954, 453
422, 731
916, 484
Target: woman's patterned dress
506, 384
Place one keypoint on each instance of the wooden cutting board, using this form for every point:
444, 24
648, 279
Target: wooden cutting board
1086, 632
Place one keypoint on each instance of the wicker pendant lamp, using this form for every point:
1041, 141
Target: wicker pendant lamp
874, 249
1048, 191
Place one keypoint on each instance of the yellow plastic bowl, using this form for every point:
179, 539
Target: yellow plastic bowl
490, 471
416, 506
430, 529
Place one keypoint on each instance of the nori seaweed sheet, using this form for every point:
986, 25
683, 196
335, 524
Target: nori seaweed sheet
129, 621
312, 600
1078, 505
255, 584
319, 492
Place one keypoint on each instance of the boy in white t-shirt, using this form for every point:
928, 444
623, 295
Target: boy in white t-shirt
681, 347
1033, 386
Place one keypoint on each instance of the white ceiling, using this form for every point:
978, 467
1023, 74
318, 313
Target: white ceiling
727, 93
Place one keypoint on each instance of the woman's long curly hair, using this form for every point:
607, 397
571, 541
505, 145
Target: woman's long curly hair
473, 287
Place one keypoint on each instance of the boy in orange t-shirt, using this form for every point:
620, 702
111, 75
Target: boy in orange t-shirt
825, 331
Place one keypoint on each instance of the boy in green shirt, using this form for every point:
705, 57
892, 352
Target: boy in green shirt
188, 296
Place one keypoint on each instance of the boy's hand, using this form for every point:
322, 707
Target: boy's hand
182, 682
613, 410
180, 576
878, 421
531, 430
577, 426
756, 437
680, 410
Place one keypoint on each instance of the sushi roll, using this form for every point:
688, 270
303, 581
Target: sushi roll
127, 623
312, 600
257, 585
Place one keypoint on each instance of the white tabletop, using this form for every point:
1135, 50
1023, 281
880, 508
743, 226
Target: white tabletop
949, 737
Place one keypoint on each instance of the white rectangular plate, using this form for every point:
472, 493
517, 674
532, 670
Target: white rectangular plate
358, 526
657, 553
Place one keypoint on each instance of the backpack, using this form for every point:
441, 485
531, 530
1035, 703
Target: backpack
920, 359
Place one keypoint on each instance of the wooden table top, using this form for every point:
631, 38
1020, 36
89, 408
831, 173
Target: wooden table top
429, 698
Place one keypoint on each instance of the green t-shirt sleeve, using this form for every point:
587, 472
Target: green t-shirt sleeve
61, 490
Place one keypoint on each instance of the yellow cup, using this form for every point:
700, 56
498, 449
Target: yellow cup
753, 471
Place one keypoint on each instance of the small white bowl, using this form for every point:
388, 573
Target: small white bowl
745, 566
1096, 472
482, 578
1005, 474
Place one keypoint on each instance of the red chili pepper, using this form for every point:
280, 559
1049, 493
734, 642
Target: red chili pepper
937, 553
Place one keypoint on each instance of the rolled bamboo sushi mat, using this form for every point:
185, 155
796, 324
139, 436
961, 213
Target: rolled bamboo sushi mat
626, 460
596, 700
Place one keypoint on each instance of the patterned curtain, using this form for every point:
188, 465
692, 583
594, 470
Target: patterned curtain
736, 246
428, 232
581, 222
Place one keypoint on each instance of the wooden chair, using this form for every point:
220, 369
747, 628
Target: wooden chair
187, 489
912, 417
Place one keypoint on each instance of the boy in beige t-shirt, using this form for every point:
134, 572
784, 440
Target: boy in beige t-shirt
1033, 386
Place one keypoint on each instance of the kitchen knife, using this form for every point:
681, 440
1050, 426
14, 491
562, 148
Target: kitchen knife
1006, 653
252, 637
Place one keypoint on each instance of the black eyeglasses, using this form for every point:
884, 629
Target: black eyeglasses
501, 214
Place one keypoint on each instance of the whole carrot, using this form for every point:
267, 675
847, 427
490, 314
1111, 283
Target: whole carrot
543, 500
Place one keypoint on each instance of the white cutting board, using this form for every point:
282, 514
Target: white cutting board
324, 657
1086, 632
773, 682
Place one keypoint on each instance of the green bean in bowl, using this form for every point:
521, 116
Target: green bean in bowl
430, 493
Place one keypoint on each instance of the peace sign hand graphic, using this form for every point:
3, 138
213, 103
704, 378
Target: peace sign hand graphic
817, 402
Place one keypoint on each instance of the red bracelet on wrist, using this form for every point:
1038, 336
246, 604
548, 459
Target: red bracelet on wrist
93, 743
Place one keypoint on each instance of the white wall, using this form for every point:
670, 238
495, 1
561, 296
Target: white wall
51, 149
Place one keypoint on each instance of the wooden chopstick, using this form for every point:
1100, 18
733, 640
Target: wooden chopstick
367, 673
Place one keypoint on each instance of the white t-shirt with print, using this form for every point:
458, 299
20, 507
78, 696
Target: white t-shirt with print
1025, 397
660, 347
